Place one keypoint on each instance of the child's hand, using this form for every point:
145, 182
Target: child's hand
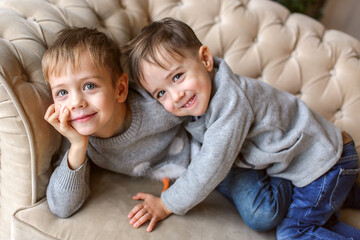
58, 118
152, 208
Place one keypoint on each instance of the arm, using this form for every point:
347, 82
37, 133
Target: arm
193, 187
222, 132
58, 118
221, 146
68, 188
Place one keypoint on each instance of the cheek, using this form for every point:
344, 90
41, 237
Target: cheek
168, 106
193, 84
100, 100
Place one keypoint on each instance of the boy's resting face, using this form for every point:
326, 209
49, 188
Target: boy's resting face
183, 86
96, 105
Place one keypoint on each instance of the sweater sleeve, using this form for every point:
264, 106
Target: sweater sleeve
68, 189
221, 145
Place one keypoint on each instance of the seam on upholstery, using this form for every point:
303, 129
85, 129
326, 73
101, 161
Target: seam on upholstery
29, 134
30, 225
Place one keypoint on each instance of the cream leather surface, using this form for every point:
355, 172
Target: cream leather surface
104, 216
258, 38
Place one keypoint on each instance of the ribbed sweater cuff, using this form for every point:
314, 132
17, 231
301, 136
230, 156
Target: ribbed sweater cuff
68, 179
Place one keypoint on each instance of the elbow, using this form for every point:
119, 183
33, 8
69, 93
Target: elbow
59, 211
62, 214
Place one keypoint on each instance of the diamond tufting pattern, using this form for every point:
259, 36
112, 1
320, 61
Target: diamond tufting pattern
258, 38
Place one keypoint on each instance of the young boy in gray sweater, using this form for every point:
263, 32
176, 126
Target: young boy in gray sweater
117, 127
245, 123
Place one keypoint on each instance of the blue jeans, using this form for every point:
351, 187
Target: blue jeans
314, 211
262, 201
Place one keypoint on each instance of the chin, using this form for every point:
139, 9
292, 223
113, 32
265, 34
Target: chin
85, 132
198, 113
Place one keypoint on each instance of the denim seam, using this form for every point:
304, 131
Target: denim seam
342, 172
349, 158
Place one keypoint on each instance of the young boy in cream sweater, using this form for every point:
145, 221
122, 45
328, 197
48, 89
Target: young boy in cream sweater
245, 123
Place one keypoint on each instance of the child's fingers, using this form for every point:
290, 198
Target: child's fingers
140, 196
136, 209
64, 114
63, 119
49, 111
137, 215
152, 223
51, 116
140, 218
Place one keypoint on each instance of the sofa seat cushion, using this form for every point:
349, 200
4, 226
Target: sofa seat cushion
104, 216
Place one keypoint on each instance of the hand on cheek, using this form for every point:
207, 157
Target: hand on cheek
61, 110
58, 117
63, 115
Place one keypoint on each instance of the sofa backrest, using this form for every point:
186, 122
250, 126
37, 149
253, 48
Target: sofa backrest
258, 39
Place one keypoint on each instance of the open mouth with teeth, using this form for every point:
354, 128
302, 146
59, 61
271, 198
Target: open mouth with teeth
190, 102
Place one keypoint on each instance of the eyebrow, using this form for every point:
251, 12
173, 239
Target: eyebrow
171, 72
81, 79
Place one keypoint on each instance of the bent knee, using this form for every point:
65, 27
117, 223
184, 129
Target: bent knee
263, 219
262, 223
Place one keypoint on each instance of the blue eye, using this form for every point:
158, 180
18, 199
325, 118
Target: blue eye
177, 76
160, 94
61, 93
89, 86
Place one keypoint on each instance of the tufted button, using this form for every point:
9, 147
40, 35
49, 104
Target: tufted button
256, 39
217, 19
298, 94
31, 19
24, 77
339, 114
294, 54
332, 72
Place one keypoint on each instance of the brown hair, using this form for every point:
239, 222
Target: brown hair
172, 36
71, 43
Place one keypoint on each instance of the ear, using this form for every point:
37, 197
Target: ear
122, 87
206, 58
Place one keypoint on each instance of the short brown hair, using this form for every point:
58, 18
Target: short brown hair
173, 36
71, 43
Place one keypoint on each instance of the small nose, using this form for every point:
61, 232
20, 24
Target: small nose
77, 101
177, 95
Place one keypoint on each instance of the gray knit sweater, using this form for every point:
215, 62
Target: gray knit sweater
155, 146
253, 125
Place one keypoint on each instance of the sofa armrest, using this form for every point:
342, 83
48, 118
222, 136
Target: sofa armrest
27, 141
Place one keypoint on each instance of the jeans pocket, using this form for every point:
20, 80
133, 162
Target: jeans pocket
345, 180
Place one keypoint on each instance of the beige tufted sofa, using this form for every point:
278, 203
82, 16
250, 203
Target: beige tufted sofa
258, 38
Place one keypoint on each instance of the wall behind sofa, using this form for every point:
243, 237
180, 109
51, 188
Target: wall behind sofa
343, 15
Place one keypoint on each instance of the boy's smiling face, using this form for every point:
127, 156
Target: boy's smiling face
183, 84
96, 104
